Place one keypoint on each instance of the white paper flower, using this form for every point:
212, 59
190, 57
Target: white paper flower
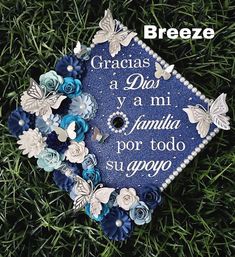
31, 142
127, 198
76, 152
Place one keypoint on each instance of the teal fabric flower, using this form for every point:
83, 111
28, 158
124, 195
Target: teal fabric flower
50, 80
49, 160
71, 87
81, 126
104, 212
140, 213
93, 175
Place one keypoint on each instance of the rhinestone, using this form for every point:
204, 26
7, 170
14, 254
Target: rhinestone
118, 223
69, 67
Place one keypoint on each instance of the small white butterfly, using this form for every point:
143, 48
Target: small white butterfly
35, 100
216, 114
64, 134
165, 73
86, 194
81, 51
111, 33
98, 136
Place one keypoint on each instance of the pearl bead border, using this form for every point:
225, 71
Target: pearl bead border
118, 114
198, 93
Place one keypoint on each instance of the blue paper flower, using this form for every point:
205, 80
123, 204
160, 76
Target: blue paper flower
81, 126
70, 66
84, 105
49, 160
71, 87
54, 143
104, 212
89, 162
46, 127
19, 121
140, 213
93, 175
50, 80
117, 225
151, 195
62, 181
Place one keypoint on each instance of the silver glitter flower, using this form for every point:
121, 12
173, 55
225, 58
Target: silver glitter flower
84, 105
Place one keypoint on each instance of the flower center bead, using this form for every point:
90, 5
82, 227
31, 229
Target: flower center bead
69, 67
118, 223
21, 123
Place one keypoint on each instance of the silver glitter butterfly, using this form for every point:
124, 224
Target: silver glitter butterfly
35, 100
216, 114
86, 193
98, 136
113, 34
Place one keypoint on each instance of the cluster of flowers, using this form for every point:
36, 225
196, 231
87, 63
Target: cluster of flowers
38, 138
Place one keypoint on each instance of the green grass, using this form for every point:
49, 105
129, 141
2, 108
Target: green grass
197, 218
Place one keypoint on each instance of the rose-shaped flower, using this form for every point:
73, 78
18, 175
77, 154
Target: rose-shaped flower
62, 181
103, 213
140, 213
71, 87
70, 66
46, 127
31, 142
76, 152
19, 121
151, 195
117, 225
127, 198
93, 175
54, 143
50, 80
89, 162
81, 126
84, 105
49, 159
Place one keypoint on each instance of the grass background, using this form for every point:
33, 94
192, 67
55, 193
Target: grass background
197, 218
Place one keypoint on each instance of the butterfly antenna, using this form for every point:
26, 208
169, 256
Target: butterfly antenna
199, 105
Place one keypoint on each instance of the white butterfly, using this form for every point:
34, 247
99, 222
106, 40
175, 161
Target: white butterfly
165, 73
111, 33
35, 100
64, 134
81, 51
86, 194
216, 114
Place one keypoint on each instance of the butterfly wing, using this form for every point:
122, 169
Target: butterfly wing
114, 47
95, 133
167, 72
35, 90
101, 195
61, 133
104, 137
107, 24
55, 100
159, 70
198, 115
126, 41
71, 130
218, 111
83, 192
78, 48
30, 104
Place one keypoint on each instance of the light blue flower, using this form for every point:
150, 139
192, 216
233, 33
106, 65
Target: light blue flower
93, 175
50, 80
49, 159
81, 126
140, 213
84, 105
89, 162
46, 127
71, 87
104, 212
